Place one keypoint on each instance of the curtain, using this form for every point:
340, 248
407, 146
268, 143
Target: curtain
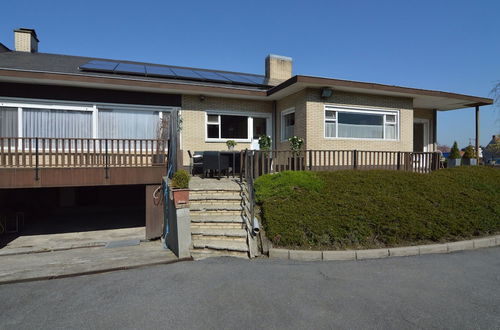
57, 123
8, 122
330, 129
361, 131
129, 124
390, 132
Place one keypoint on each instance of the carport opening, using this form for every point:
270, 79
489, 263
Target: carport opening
68, 210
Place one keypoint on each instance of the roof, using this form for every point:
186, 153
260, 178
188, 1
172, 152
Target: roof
46, 68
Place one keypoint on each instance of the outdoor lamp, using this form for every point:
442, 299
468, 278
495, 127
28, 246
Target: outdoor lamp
326, 92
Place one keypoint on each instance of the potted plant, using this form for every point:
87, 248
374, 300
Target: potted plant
469, 157
454, 158
230, 144
295, 146
265, 147
180, 188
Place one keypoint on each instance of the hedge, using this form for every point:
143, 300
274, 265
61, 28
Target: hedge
369, 209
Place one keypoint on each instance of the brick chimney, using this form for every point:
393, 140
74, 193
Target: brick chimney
25, 40
278, 67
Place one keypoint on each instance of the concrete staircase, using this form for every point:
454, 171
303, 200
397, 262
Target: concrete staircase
217, 225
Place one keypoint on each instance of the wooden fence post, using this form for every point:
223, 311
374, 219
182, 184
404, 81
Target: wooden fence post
355, 159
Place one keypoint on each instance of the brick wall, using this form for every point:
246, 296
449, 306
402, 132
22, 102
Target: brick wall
194, 126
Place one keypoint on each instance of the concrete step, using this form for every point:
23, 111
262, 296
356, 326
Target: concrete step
203, 218
217, 202
220, 245
200, 254
202, 195
229, 232
215, 207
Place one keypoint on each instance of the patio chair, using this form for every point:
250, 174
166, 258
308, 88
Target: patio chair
195, 161
211, 162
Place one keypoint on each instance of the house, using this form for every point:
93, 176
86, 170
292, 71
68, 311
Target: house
489, 156
91, 117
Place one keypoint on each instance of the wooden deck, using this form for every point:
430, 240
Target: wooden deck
55, 162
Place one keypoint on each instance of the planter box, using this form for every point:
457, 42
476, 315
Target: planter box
469, 161
454, 162
181, 197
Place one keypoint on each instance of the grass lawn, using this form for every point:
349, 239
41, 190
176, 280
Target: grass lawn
369, 209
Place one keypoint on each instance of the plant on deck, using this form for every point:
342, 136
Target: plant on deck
295, 144
455, 152
180, 179
265, 142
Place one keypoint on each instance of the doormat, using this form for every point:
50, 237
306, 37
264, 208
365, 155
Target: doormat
130, 242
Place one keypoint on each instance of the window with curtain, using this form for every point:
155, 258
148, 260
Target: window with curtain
57, 123
288, 122
8, 122
360, 124
128, 124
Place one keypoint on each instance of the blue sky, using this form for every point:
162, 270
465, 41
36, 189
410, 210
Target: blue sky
444, 45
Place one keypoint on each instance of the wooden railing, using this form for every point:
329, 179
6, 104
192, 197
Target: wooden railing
264, 162
79, 153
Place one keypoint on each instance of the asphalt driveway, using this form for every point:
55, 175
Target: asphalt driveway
449, 291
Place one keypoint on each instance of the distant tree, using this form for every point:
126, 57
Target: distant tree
455, 152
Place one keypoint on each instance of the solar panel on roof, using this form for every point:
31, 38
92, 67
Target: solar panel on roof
160, 71
99, 65
130, 68
185, 73
172, 72
236, 78
210, 75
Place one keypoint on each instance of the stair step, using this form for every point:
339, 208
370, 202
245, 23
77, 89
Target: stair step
220, 245
215, 198
202, 218
200, 254
230, 232
215, 207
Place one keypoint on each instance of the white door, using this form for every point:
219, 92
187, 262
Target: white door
261, 126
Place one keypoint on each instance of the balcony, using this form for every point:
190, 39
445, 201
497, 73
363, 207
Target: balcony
66, 162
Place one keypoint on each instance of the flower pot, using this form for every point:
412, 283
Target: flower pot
230, 148
454, 162
181, 197
469, 161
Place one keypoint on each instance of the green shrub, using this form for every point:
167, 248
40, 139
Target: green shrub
367, 209
454, 152
265, 142
180, 179
231, 143
469, 152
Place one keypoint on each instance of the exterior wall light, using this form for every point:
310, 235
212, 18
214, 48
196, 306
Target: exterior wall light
326, 92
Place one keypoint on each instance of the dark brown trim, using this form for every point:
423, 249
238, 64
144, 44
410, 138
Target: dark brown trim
69, 93
61, 79
378, 87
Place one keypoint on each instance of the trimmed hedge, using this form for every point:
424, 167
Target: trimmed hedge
368, 209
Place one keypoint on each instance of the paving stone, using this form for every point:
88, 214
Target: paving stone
339, 255
433, 248
404, 251
305, 255
278, 253
460, 246
372, 254
484, 242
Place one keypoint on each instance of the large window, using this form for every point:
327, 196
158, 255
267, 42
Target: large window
8, 122
50, 123
361, 124
287, 124
227, 127
129, 124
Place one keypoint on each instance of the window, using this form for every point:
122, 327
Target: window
57, 123
227, 127
360, 124
287, 124
8, 122
129, 124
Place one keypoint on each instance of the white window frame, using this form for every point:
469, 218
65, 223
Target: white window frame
93, 107
282, 123
360, 110
249, 115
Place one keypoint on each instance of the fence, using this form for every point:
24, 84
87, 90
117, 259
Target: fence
78, 152
264, 162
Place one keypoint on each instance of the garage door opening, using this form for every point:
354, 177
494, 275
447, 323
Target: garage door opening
79, 214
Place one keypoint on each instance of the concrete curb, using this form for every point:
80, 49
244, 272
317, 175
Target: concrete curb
92, 272
311, 255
